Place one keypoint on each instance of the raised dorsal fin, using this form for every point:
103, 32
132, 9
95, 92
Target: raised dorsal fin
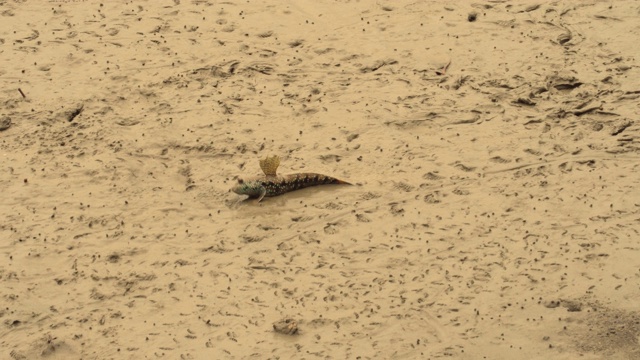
269, 165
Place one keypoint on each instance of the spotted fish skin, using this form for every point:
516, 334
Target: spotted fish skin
272, 184
284, 184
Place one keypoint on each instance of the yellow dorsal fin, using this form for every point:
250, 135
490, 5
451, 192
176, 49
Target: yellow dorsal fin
269, 165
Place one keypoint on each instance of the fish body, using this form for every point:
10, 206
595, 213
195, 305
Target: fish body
272, 184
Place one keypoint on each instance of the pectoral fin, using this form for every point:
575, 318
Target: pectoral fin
263, 192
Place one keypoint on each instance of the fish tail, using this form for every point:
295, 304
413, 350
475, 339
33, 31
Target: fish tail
338, 181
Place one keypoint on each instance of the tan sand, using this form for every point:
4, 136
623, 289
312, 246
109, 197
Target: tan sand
496, 213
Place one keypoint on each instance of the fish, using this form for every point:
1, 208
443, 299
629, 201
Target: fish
272, 184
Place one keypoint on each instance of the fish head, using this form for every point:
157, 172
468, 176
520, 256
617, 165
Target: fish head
253, 188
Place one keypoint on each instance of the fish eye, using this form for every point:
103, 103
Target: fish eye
240, 181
